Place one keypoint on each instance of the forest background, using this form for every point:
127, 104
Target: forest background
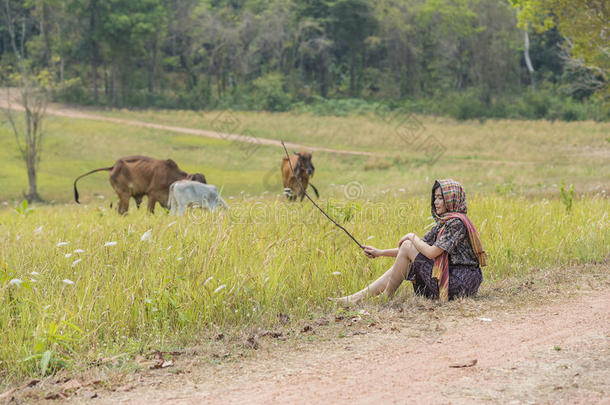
463, 58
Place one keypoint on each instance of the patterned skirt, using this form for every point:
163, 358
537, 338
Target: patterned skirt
464, 280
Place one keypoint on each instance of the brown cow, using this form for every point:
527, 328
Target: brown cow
137, 176
296, 183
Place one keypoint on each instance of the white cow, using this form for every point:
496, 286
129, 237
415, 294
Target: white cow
184, 193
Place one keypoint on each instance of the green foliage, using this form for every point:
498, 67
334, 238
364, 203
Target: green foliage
583, 23
269, 93
461, 58
24, 208
567, 195
342, 211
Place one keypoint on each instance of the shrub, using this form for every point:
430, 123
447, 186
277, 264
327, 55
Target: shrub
269, 91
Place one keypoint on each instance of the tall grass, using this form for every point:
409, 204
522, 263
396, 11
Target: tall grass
77, 284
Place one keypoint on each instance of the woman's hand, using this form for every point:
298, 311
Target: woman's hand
410, 237
371, 252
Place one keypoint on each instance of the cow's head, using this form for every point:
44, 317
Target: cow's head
304, 163
197, 177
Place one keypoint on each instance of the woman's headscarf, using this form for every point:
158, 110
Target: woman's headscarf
455, 203
454, 196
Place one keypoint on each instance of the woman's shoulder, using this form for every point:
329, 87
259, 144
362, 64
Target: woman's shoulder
455, 225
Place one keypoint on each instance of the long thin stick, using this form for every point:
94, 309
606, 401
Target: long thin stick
313, 202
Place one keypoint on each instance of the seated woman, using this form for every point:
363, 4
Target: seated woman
444, 264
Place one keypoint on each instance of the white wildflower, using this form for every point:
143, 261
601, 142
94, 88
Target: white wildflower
208, 280
67, 281
146, 235
110, 243
265, 280
38, 230
15, 281
35, 273
169, 247
79, 251
370, 237
220, 288
62, 244
179, 259
336, 273
77, 261
148, 301
68, 255
171, 223
402, 190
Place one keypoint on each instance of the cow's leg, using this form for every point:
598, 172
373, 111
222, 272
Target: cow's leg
151, 204
123, 203
172, 203
183, 204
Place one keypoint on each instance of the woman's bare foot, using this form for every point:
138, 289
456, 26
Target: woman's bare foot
348, 300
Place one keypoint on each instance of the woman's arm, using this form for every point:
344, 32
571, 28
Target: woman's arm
389, 252
431, 252
373, 252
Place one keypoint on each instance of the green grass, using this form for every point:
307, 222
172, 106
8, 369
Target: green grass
271, 256
515, 157
238, 268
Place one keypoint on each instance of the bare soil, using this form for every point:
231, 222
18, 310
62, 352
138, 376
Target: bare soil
557, 353
545, 344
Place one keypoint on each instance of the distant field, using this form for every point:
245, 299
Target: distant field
505, 157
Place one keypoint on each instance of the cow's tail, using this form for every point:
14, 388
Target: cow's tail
315, 190
86, 174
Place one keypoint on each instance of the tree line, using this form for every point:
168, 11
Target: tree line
468, 58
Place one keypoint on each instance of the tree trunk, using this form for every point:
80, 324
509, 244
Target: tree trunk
44, 29
152, 68
528, 62
33, 188
352, 74
94, 78
324, 81
113, 81
106, 81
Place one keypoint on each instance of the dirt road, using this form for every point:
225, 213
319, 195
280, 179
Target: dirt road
64, 111
557, 353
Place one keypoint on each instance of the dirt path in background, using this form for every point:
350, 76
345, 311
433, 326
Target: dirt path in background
255, 141
558, 353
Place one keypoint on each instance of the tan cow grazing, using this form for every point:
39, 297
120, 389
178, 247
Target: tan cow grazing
139, 176
296, 183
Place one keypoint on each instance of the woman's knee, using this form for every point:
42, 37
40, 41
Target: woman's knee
405, 248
